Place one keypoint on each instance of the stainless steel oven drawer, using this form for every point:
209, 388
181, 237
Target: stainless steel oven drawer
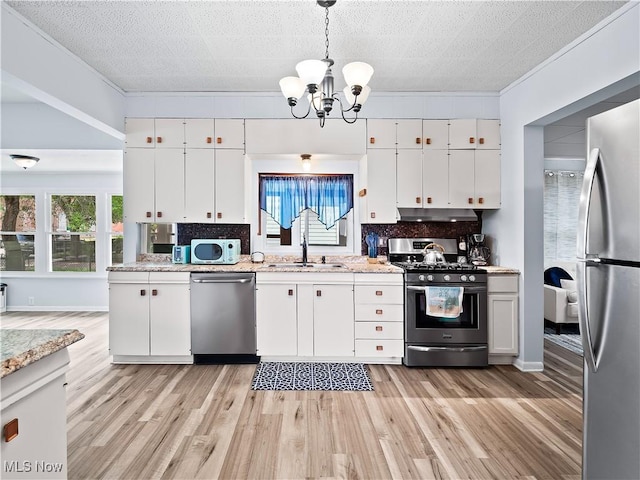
446, 356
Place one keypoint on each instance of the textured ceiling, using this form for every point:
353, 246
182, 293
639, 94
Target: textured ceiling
243, 45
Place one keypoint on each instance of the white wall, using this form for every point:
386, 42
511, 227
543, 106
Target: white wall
604, 62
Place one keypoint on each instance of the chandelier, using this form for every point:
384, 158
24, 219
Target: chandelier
315, 78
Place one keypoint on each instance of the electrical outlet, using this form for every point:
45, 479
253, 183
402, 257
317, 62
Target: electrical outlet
32, 300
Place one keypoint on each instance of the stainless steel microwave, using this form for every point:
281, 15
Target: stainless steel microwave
223, 251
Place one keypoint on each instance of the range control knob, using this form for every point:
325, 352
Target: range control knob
447, 278
463, 278
421, 278
430, 278
472, 278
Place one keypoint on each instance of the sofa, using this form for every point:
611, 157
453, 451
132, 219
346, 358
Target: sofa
560, 295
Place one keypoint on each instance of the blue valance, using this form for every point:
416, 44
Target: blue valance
286, 197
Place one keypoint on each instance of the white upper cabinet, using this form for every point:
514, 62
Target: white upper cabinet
474, 134
169, 133
378, 197
381, 133
229, 133
435, 179
409, 134
487, 179
461, 178
140, 132
199, 206
199, 133
435, 134
229, 186
409, 179
139, 185
169, 188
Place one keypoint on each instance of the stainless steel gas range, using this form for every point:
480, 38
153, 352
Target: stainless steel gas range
445, 321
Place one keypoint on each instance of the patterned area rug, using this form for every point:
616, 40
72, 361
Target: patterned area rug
311, 376
570, 341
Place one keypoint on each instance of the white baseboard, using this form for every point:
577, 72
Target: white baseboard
58, 308
528, 366
369, 360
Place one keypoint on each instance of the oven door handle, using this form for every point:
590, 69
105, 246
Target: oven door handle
447, 349
466, 289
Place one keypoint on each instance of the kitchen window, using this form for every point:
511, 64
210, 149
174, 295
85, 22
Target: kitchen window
73, 233
17, 232
116, 234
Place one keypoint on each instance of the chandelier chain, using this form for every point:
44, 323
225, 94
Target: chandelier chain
326, 32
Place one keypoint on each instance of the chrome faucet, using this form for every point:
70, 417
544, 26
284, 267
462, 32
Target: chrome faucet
304, 250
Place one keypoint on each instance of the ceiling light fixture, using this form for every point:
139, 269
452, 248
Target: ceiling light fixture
316, 78
24, 161
306, 162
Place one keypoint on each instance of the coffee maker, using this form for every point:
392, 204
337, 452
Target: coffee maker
478, 252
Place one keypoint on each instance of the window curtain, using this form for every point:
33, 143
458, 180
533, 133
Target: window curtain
561, 201
286, 197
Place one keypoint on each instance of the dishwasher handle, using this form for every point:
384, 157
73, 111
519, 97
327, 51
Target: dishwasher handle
222, 280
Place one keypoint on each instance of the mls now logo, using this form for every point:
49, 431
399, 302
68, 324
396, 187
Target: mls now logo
27, 466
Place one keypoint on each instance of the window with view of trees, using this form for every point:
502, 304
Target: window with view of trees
117, 234
17, 232
73, 233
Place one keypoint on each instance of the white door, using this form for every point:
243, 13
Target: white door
488, 134
170, 319
435, 178
139, 133
333, 321
229, 190
435, 134
409, 178
199, 133
169, 133
409, 134
461, 179
487, 179
381, 133
169, 175
503, 323
199, 185
381, 187
129, 318
276, 319
229, 133
462, 133
139, 185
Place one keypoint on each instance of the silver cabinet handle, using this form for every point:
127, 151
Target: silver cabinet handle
242, 280
447, 349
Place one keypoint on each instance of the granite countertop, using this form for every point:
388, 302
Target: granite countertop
352, 264
497, 270
20, 347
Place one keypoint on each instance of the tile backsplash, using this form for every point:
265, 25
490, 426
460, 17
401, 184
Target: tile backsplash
418, 230
190, 231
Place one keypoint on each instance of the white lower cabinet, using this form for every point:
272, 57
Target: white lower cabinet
333, 333
379, 316
502, 297
149, 316
277, 318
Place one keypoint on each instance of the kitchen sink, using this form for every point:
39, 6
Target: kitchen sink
308, 265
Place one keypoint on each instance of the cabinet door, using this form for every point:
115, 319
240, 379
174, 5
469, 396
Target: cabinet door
139, 185
169, 319
503, 324
461, 179
276, 319
462, 134
199, 133
381, 133
129, 319
409, 134
139, 132
435, 134
333, 320
435, 178
380, 184
199, 190
487, 179
169, 189
169, 133
229, 182
229, 133
488, 134
409, 178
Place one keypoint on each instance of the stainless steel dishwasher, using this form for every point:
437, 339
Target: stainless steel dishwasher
223, 317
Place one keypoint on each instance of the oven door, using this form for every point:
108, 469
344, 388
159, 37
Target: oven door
469, 327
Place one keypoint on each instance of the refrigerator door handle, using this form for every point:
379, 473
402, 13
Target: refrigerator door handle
585, 201
583, 317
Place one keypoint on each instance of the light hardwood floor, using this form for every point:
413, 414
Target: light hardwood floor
201, 421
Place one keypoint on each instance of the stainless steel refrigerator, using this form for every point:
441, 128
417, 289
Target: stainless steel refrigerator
609, 294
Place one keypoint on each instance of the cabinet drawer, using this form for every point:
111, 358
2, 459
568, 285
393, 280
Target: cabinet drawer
379, 348
384, 294
376, 312
502, 283
379, 330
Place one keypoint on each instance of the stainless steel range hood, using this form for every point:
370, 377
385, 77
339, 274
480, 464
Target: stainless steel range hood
437, 215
